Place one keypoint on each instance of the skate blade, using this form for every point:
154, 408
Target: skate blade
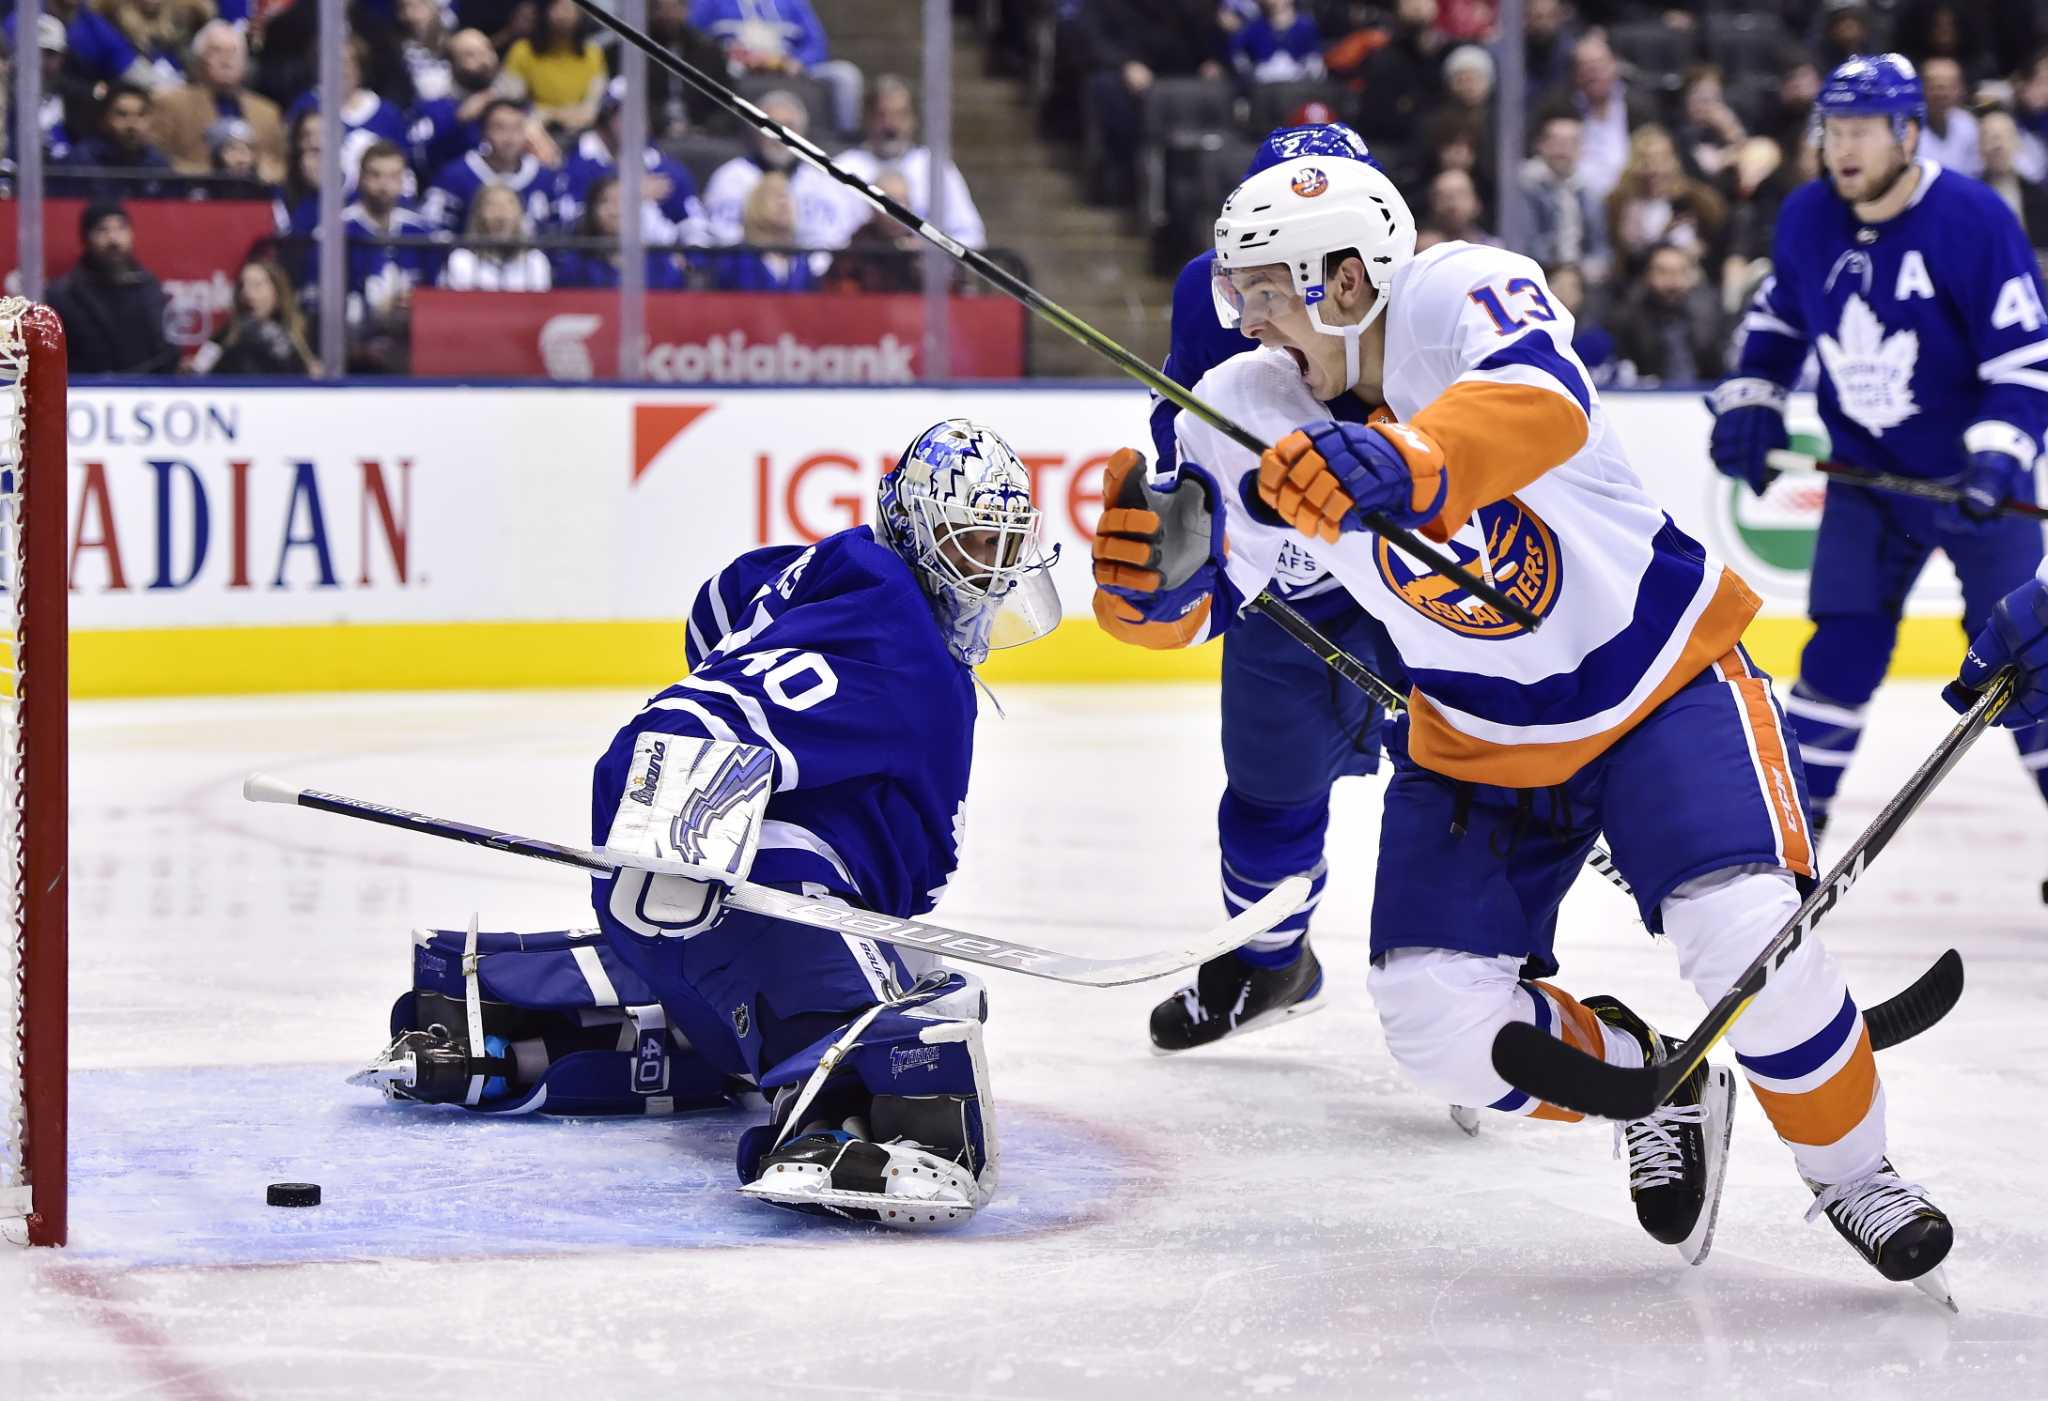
1934, 1284
1264, 1019
903, 1213
1720, 1092
1466, 1119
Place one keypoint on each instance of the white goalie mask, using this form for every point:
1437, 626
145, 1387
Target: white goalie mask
1298, 213
957, 508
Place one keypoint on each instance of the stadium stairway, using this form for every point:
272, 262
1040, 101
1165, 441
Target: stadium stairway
1090, 260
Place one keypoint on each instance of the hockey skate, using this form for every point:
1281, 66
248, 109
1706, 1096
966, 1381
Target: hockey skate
1894, 1226
1678, 1156
1230, 995
880, 1174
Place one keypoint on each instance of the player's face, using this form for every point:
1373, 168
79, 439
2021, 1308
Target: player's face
1861, 156
1272, 313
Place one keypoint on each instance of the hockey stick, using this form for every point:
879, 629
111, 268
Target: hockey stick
1018, 289
1799, 463
1278, 903
1538, 1064
1392, 701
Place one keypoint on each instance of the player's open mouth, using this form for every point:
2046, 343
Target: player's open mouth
1300, 359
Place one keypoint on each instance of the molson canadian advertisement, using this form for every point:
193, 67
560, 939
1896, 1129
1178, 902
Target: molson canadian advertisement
434, 536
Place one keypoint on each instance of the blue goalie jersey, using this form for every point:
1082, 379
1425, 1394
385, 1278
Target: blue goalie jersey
829, 657
1925, 325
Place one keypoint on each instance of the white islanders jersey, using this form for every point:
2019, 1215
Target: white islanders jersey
1541, 501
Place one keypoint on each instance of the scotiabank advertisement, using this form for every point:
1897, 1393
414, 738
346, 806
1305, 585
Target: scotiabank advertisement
711, 337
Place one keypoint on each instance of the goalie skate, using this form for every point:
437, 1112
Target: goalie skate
835, 1172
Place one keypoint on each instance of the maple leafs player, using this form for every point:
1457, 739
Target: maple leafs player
821, 744
1919, 291
1290, 726
1440, 390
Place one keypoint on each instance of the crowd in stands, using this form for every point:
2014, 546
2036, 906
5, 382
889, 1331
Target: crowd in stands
1661, 135
481, 142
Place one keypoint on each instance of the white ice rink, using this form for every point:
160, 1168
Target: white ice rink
1280, 1217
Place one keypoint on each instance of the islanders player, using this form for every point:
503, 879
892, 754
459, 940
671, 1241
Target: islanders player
1290, 727
1440, 390
1918, 288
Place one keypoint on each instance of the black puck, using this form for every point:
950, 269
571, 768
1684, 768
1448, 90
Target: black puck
293, 1194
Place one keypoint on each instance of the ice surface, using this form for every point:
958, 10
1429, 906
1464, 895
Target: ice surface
1283, 1217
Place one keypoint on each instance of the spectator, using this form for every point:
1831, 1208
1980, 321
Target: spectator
231, 160
487, 261
892, 142
219, 68
561, 66
444, 128
1759, 180
1467, 112
160, 31
1998, 137
500, 159
1656, 202
1790, 116
366, 118
821, 206
1565, 223
673, 106
2030, 110
60, 93
882, 255
1670, 323
96, 50
599, 267
121, 146
1844, 33
503, 22
770, 224
111, 307
381, 276
670, 213
780, 36
1924, 30
1402, 80
1609, 110
1277, 44
423, 45
1132, 43
1950, 136
1591, 342
265, 334
1710, 132
1548, 38
1454, 210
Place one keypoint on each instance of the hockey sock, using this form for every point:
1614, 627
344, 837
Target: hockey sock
1827, 734
1574, 1023
1264, 953
2033, 747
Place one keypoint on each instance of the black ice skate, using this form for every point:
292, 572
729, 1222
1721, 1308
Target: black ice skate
1893, 1226
1230, 996
1677, 1156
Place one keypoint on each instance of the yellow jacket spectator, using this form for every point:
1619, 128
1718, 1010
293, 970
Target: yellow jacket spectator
563, 70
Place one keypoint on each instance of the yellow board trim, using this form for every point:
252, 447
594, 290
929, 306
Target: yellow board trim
648, 655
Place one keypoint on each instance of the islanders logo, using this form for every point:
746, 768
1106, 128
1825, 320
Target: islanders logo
1521, 552
1309, 182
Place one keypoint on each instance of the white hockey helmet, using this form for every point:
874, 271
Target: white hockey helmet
1301, 211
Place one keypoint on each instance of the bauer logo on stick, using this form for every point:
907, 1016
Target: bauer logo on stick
1309, 182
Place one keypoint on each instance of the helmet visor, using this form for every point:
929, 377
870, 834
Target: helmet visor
1253, 296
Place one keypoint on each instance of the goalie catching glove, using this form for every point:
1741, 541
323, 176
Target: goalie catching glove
1158, 556
686, 830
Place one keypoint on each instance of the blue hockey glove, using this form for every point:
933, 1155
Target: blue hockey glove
1749, 424
1991, 479
1325, 478
1158, 555
2016, 636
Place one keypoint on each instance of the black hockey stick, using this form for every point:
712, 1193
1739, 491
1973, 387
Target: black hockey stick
1538, 1064
1018, 289
957, 944
1785, 460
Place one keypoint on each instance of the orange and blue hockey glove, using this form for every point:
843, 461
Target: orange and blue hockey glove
1325, 478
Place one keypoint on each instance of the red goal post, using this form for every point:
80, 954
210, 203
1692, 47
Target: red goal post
33, 802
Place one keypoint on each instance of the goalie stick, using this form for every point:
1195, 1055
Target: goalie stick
1797, 463
1538, 1064
1278, 903
1021, 291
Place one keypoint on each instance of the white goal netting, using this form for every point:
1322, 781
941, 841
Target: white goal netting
14, 1194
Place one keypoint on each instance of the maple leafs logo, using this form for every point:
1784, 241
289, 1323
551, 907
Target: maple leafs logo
1872, 372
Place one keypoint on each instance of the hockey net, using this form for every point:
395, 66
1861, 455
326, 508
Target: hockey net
33, 883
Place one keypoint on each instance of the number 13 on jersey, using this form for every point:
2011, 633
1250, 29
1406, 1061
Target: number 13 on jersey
1534, 306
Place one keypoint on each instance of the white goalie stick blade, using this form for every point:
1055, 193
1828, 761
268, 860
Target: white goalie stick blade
957, 944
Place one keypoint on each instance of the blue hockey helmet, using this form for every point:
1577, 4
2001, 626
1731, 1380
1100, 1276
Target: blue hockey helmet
957, 509
1285, 143
1878, 85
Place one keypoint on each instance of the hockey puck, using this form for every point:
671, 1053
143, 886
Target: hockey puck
293, 1194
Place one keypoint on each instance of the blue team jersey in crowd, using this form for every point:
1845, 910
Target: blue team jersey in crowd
379, 272
591, 161
455, 188
828, 655
1923, 325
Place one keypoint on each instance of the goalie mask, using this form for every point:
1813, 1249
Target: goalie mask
957, 508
